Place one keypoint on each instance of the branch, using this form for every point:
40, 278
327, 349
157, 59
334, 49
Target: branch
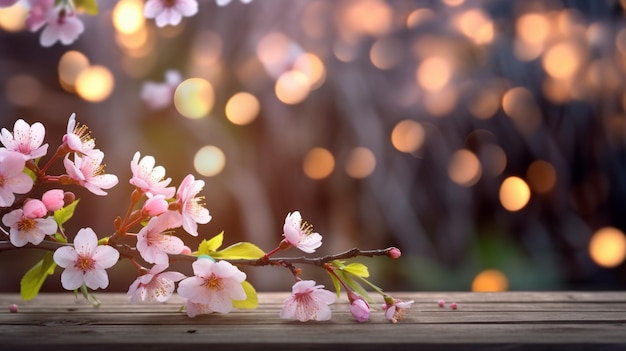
131, 252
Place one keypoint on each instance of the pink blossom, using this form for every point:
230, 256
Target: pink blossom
300, 234
155, 285
395, 309
193, 309
53, 199
89, 173
85, 262
149, 178
160, 95
34, 209
37, 15
25, 230
155, 205
215, 284
192, 211
62, 25
7, 3
169, 11
26, 139
308, 302
153, 244
359, 308
78, 138
12, 178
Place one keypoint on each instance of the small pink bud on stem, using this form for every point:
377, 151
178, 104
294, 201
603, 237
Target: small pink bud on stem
453, 306
13, 308
441, 303
394, 253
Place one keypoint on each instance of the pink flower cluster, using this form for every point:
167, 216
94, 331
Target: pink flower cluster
158, 210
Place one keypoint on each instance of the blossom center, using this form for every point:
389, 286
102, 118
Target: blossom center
85, 263
306, 228
213, 282
1, 180
83, 133
169, 3
26, 225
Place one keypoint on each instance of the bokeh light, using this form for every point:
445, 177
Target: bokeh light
361, 163
607, 247
209, 161
95, 83
71, 64
242, 108
312, 67
533, 28
514, 194
385, 53
408, 136
13, 18
434, 73
541, 176
128, 16
562, 60
486, 104
490, 280
194, 98
318, 163
292, 87
464, 168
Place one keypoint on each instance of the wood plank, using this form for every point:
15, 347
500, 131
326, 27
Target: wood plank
492, 321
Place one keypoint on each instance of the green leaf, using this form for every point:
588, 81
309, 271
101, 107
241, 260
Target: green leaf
358, 269
242, 250
89, 6
91, 298
207, 247
251, 301
354, 285
336, 283
33, 279
64, 214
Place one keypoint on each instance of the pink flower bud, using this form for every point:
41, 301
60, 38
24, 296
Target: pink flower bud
453, 306
34, 209
360, 310
358, 307
13, 308
186, 251
394, 253
155, 205
53, 199
441, 303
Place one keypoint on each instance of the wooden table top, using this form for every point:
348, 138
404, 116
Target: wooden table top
489, 321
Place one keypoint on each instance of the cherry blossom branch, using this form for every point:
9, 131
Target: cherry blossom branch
130, 252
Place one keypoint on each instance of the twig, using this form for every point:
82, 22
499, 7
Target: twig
130, 252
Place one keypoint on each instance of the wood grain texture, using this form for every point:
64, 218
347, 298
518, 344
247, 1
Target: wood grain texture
483, 321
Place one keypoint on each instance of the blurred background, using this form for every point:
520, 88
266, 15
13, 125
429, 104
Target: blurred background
485, 139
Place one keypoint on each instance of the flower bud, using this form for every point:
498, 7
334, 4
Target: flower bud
454, 306
53, 199
155, 205
358, 307
34, 209
441, 303
186, 250
13, 308
360, 310
394, 253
